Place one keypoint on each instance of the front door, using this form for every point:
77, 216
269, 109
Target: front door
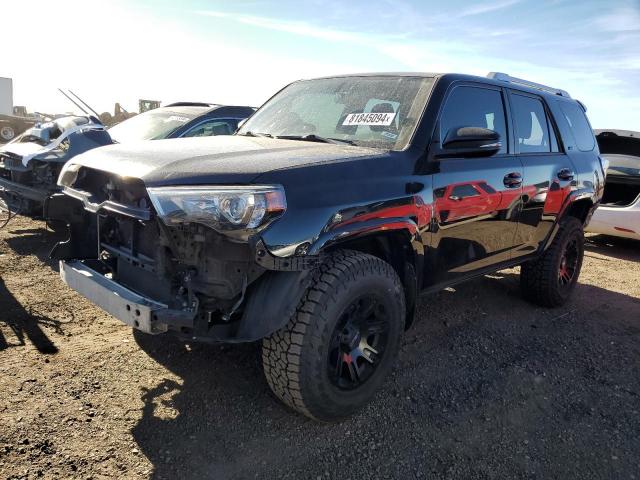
476, 200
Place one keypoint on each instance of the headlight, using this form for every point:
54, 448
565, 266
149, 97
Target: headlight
221, 208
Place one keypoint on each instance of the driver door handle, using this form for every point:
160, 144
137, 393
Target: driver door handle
512, 180
565, 174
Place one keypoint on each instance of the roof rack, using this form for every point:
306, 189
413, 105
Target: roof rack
503, 77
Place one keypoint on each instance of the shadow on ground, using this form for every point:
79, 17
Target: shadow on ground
23, 325
34, 241
487, 386
620, 248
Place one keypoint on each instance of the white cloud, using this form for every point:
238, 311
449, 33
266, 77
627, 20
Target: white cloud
298, 28
487, 7
624, 19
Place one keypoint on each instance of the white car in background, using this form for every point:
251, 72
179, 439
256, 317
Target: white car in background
619, 211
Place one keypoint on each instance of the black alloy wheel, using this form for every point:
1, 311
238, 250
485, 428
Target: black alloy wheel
359, 342
568, 263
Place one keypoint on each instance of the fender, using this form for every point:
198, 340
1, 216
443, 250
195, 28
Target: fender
352, 231
309, 254
578, 195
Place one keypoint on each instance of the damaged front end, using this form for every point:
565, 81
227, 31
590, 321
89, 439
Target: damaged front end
179, 259
30, 164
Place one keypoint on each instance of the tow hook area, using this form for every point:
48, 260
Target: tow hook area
288, 264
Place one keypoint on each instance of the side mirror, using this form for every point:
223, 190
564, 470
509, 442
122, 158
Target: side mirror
471, 142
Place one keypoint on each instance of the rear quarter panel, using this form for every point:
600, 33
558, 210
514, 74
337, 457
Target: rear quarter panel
588, 183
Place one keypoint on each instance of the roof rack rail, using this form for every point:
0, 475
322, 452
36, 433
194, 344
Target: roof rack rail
191, 104
504, 77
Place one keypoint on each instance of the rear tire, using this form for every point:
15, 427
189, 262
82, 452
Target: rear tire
322, 363
549, 280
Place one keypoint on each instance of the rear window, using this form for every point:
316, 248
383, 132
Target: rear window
579, 124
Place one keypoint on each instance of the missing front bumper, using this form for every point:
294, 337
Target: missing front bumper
127, 306
30, 193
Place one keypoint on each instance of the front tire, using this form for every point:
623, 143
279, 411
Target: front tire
341, 343
550, 279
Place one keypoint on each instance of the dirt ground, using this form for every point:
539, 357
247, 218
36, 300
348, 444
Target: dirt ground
487, 386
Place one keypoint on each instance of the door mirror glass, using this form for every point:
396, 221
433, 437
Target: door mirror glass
472, 142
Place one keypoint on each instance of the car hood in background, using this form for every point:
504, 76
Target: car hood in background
222, 159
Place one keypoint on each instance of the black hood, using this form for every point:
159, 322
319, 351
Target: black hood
222, 159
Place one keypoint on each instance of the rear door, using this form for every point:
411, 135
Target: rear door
475, 227
548, 172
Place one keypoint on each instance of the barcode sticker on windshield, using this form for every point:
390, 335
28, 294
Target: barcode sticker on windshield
384, 119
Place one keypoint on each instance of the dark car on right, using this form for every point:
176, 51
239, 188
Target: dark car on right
317, 225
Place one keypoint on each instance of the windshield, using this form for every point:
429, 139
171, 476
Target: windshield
379, 112
151, 125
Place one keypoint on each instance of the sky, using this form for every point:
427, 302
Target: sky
242, 52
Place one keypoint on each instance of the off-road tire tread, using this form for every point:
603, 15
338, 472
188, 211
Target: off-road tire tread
538, 278
282, 358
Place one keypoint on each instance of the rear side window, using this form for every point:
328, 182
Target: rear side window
580, 127
487, 188
463, 191
212, 128
475, 107
533, 132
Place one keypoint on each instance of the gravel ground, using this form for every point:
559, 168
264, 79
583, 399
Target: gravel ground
487, 386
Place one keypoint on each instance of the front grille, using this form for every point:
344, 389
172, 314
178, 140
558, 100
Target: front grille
11, 161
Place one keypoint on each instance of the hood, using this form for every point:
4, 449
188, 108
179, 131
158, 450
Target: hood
222, 159
45, 141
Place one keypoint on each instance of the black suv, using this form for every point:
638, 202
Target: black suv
317, 225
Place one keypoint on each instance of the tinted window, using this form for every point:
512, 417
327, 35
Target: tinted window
211, 128
487, 188
474, 107
462, 191
554, 140
579, 125
532, 127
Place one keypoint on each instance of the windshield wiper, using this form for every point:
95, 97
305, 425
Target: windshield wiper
315, 138
255, 134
